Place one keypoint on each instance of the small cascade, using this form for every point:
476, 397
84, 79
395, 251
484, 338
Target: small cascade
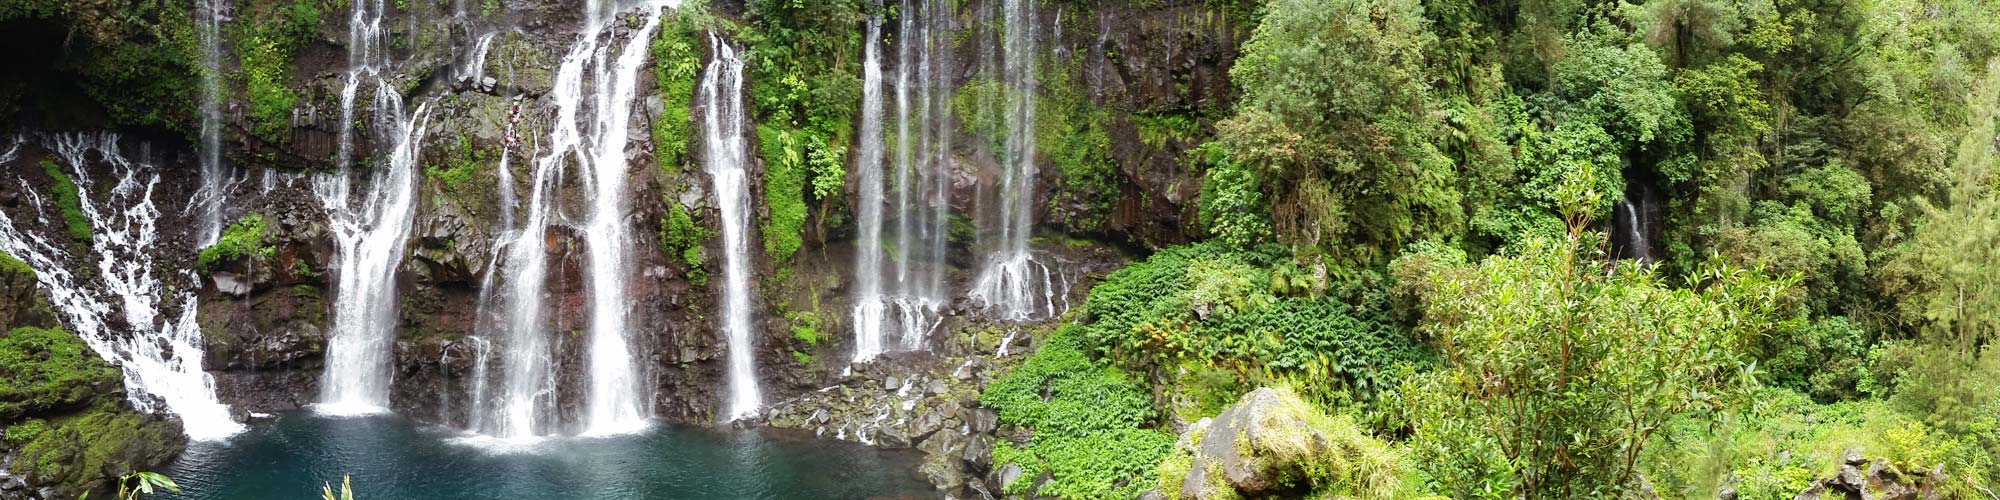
215, 176
1630, 232
722, 102
912, 302
369, 233
125, 309
1015, 284
593, 97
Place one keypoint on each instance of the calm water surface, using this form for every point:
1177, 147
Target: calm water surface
287, 457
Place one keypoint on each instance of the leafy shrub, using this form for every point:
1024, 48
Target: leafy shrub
1087, 430
1556, 374
785, 169
244, 239
676, 64
1232, 208
69, 201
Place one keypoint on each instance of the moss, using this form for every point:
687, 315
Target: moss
80, 452
676, 63
784, 154
44, 370
456, 174
11, 265
244, 239
69, 201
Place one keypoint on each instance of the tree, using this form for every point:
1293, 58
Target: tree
1555, 372
1335, 125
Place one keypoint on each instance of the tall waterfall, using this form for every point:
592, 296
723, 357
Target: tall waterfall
1014, 284
722, 102
616, 402
160, 356
214, 175
593, 97
368, 233
911, 304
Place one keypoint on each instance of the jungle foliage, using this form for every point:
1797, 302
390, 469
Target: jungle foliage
1415, 212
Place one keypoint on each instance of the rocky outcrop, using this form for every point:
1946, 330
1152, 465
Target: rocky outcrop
1862, 479
68, 428
1271, 444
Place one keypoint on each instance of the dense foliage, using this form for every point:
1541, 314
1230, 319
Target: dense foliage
1413, 212
1091, 424
242, 240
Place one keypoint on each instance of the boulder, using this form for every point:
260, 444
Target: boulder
1273, 444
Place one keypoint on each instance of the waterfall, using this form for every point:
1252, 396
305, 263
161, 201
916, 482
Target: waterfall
1014, 284
160, 356
368, 236
215, 177
868, 300
912, 304
722, 101
368, 243
588, 83
615, 401
1632, 215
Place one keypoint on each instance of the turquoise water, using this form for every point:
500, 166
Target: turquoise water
287, 457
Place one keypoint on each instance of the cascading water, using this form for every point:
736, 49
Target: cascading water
588, 80
368, 236
368, 242
1014, 284
616, 401
722, 101
160, 356
214, 175
912, 303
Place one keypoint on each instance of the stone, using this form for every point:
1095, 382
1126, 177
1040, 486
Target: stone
1726, 493
1811, 493
928, 424
978, 451
1852, 456
983, 420
231, 284
1006, 475
1848, 479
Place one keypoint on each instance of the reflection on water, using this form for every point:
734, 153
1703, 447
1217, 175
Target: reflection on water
288, 457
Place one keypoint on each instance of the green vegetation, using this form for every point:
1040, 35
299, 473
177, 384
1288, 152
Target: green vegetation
805, 86
456, 173
242, 240
680, 236
1088, 421
676, 65
1406, 217
49, 370
69, 201
78, 450
11, 265
267, 49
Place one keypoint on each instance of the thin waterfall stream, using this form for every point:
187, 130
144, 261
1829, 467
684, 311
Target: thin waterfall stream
911, 302
722, 103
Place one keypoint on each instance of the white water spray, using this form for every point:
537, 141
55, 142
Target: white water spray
1014, 284
722, 101
911, 304
159, 356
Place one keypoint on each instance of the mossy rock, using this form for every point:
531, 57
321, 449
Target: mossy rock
49, 370
1271, 443
88, 451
